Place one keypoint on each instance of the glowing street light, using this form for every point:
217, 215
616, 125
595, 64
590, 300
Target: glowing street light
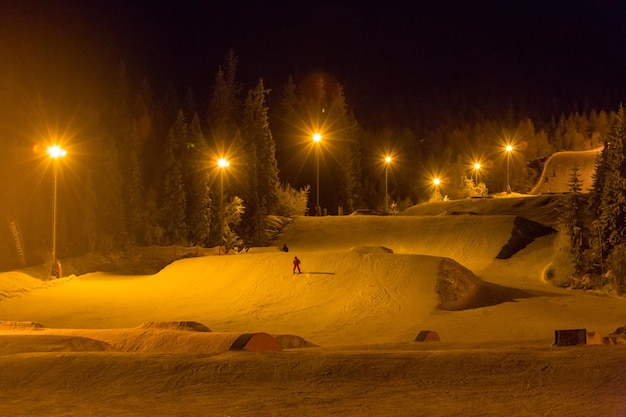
508, 149
222, 164
317, 138
55, 152
476, 169
436, 196
387, 162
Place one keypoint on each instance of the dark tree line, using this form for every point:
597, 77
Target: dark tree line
141, 165
141, 170
595, 224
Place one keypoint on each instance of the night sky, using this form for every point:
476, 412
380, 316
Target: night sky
435, 50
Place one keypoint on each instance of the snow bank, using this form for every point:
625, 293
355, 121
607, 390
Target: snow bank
461, 238
15, 284
459, 289
159, 337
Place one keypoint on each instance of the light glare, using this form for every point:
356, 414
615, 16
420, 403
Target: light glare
56, 151
222, 163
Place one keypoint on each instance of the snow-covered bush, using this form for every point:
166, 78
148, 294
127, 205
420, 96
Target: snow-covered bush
291, 202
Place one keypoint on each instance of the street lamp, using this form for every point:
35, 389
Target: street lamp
476, 169
509, 149
222, 164
387, 162
55, 152
317, 138
436, 193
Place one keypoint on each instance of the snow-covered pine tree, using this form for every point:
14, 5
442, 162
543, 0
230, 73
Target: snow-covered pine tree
599, 177
292, 202
611, 219
572, 221
232, 218
611, 213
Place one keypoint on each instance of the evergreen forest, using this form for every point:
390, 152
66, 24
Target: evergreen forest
141, 166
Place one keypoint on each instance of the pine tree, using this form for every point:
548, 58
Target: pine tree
292, 202
121, 174
288, 101
112, 210
261, 163
316, 106
173, 193
572, 220
612, 209
347, 151
197, 186
599, 177
225, 106
224, 134
232, 218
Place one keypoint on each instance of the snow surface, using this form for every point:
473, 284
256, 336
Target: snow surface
110, 344
557, 171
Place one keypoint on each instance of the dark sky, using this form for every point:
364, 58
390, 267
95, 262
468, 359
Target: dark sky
560, 50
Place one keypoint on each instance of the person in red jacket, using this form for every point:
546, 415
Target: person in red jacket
296, 264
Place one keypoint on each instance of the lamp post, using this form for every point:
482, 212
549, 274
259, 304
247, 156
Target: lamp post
387, 162
55, 152
436, 194
509, 149
317, 138
476, 169
222, 163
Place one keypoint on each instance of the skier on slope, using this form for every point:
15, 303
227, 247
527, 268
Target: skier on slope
296, 264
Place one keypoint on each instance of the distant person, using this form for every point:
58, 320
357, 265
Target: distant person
285, 248
296, 264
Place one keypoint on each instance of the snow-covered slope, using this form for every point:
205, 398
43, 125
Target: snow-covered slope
366, 279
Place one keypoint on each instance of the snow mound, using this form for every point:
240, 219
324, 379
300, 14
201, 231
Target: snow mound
257, 342
289, 341
20, 325
370, 249
459, 289
618, 337
15, 284
11, 344
541, 208
263, 249
175, 325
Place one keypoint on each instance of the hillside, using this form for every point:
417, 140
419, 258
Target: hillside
241, 335
367, 279
558, 169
